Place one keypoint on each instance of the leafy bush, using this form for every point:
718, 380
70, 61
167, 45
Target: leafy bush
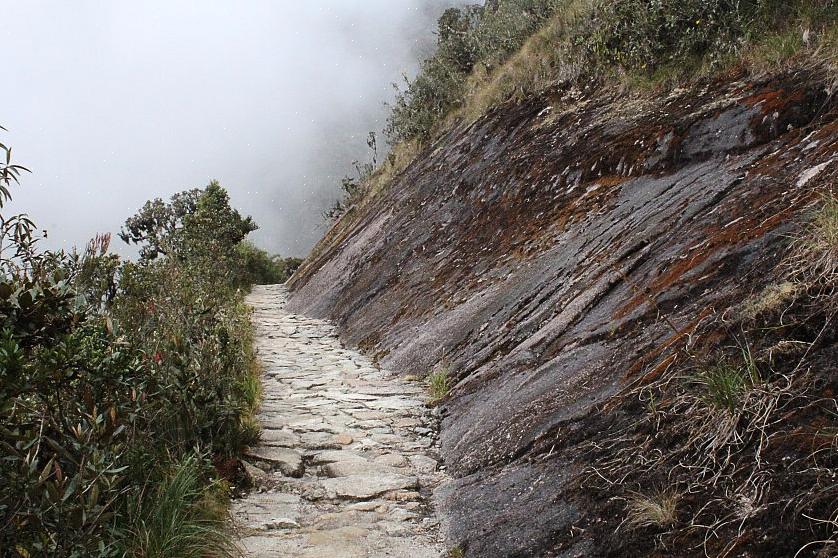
193, 221
259, 268
466, 37
114, 377
72, 416
186, 310
642, 35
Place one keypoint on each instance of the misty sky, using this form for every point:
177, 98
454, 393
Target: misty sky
114, 102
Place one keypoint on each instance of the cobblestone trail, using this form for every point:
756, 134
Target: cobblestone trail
346, 463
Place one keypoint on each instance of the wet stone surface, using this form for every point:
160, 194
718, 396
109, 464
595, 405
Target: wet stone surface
347, 461
557, 252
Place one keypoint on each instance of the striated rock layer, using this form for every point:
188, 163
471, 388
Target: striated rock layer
553, 254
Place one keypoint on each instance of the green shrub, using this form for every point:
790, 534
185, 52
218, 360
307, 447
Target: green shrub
466, 37
642, 35
72, 414
194, 222
259, 268
114, 375
187, 312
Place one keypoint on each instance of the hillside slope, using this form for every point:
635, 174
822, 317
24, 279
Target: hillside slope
557, 256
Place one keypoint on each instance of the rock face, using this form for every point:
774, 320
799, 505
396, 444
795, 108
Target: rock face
365, 500
554, 253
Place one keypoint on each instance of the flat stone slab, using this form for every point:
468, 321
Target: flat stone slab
261, 511
355, 468
362, 487
332, 456
288, 461
282, 438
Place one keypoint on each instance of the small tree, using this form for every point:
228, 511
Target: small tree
191, 221
17, 232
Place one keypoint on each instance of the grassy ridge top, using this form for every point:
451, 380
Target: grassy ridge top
514, 48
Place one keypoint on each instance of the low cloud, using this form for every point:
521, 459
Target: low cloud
113, 103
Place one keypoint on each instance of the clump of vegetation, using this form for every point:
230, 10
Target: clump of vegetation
122, 382
472, 37
181, 516
509, 48
439, 382
257, 267
726, 383
657, 510
816, 258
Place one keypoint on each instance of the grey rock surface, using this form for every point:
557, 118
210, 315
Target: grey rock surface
554, 253
334, 474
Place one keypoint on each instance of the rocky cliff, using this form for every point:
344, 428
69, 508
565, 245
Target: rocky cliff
565, 258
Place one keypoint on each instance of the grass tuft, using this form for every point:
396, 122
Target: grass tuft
819, 246
439, 383
657, 510
727, 383
181, 517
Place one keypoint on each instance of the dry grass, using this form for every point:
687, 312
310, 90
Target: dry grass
549, 57
819, 245
720, 457
813, 263
397, 162
657, 510
771, 299
399, 158
546, 58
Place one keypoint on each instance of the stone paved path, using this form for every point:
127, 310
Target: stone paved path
345, 467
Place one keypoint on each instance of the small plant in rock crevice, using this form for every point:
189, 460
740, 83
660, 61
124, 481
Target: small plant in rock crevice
655, 510
439, 382
725, 383
814, 263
